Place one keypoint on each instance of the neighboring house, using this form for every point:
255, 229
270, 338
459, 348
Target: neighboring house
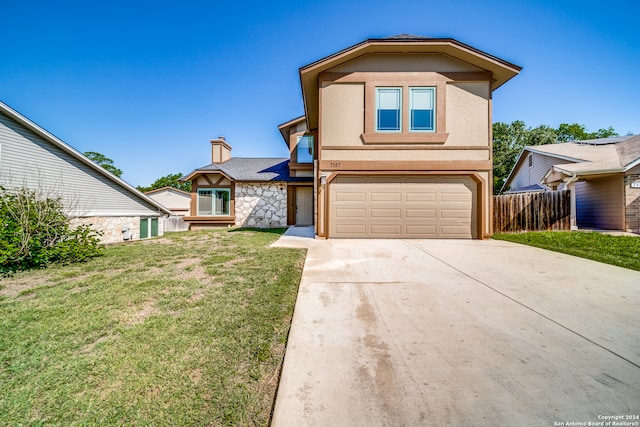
395, 143
603, 174
177, 201
31, 157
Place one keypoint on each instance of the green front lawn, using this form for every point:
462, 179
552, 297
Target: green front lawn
623, 251
189, 329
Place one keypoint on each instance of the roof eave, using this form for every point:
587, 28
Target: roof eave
588, 172
284, 128
197, 172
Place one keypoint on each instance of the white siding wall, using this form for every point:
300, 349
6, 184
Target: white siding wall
26, 160
526, 176
600, 203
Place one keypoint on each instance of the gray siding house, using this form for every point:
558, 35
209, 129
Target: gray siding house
602, 174
31, 157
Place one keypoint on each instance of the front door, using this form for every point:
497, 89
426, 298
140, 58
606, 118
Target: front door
304, 205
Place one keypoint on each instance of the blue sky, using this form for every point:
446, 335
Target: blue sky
148, 84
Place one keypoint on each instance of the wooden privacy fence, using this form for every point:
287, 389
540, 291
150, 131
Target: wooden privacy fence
175, 223
550, 210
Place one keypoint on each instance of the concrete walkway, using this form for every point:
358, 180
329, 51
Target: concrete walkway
454, 332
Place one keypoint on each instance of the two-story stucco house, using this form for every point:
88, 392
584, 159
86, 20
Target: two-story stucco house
395, 142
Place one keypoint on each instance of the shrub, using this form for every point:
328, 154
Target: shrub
35, 232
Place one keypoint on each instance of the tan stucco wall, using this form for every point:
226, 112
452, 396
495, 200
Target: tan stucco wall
342, 114
468, 113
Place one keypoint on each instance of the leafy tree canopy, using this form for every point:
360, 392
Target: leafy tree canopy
103, 161
510, 138
170, 180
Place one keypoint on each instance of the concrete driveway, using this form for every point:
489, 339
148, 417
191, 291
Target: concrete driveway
455, 332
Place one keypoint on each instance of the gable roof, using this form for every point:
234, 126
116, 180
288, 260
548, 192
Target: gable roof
72, 152
501, 70
251, 169
169, 190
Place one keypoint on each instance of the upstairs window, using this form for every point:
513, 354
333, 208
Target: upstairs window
422, 109
304, 149
388, 109
213, 201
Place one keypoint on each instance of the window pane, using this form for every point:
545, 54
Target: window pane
222, 202
205, 201
304, 149
389, 99
388, 109
388, 119
422, 103
421, 119
144, 228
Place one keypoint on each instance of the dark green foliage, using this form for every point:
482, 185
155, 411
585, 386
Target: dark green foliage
104, 161
170, 180
35, 232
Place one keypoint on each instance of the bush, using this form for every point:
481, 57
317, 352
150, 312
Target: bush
35, 232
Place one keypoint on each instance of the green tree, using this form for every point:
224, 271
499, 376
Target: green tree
103, 161
575, 132
170, 180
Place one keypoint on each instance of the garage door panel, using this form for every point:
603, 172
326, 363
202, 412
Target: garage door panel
425, 231
395, 213
455, 197
402, 207
351, 196
353, 230
411, 213
453, 213
360, 213
412, 196
454, 231
385, 230
390, 196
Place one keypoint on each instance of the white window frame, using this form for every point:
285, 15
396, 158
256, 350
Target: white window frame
433, 91
398, 90
213, 197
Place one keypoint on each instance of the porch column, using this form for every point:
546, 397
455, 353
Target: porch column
571, 186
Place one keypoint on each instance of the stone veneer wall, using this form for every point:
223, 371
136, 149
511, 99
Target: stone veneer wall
262, 205
111, 226
632, 204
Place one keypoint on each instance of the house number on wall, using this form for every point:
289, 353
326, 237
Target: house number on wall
337, 165
635, 184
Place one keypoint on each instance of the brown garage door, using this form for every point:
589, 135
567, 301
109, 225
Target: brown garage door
402, 207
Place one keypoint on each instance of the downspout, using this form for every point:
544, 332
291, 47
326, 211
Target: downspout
570, 184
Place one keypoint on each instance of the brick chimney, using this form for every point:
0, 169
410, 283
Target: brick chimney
220, 150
